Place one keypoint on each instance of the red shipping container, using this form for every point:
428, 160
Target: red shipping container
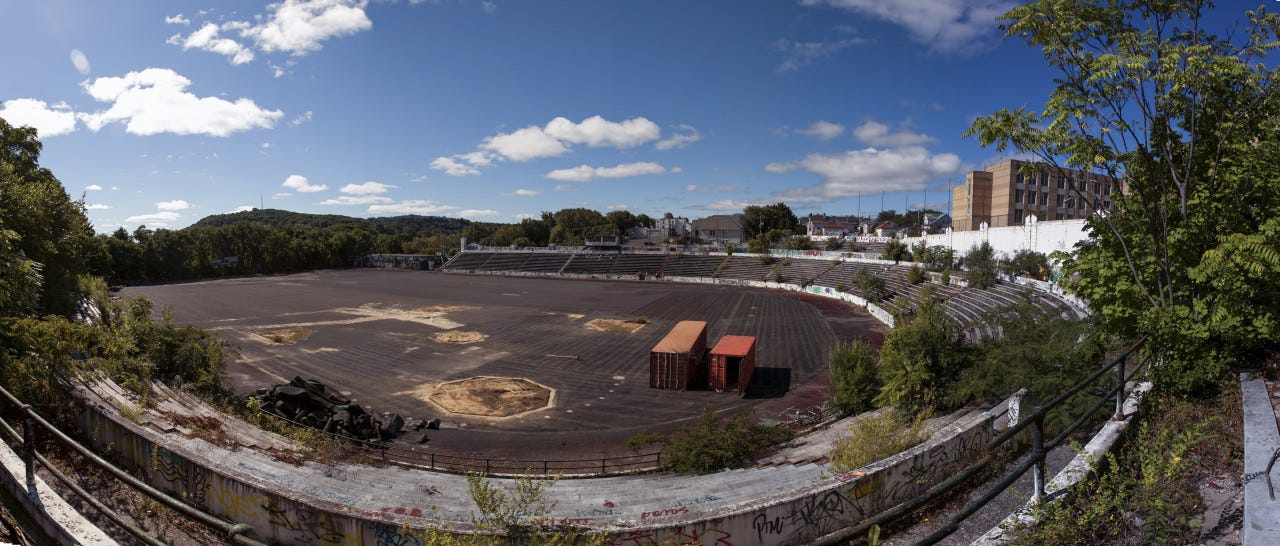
676, 362
732, 362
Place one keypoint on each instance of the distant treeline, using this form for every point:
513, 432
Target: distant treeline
266, 241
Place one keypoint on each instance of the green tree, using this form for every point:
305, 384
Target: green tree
1028, 263
757, 219
853, 374
1188, 119
982, 265
896, 250
921, 357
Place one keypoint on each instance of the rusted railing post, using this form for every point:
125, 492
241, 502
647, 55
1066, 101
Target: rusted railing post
1038, 454
1120, 366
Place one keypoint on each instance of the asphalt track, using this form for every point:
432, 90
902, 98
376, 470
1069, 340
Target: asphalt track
372, 338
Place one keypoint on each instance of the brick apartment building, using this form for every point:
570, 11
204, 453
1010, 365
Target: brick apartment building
1003, 196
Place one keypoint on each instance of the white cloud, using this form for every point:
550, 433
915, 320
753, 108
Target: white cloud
687, 135
616, 207
367, 188
93, 187
522, 216
526, 193
781, 168
462, 164
177, 20
472, 214
281, 195
596, 131
241, 208
80, 61
823, 130
691, 187
48, 120
173, 205
413, 206
208, 39
566, 188
357, 200
878, 134
734, 204
584, 173
153, 217
802, 54
155, 101
303, 118
299, 26
488, 7
525, 144
299, 183
946, 26
869, 171
266, 145
97, 206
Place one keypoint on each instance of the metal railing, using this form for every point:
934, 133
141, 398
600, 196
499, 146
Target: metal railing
235, 532
1035, 461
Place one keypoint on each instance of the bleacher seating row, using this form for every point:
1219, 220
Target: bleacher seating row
968, 307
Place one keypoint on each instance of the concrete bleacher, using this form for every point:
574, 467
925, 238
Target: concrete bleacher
545, 263
687, 265
590, 264
635, 264
506, 261
468, 260
748, 268
801, 271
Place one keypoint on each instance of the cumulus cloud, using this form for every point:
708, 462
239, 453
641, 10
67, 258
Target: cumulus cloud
524, 144
241, 208
80, 61
781, 168
822, 130
281, 195
616, 207
302, 118
526, 193
472, 214
802, 54
168, 216
565, 188
879, 134
97, 206
208, 39
946, 26
177, 20
156, 101
367, 188
299, 183
48, 120
596, 131
462, 164
357, 200
173, 205
554, 139
93, 187
866, 172
584, 173
685, 136
300, 26
734, 204
413, 206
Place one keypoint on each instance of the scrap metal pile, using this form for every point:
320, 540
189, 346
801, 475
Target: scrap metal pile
314, 404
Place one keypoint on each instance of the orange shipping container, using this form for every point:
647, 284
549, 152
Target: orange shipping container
676, 361
732, 362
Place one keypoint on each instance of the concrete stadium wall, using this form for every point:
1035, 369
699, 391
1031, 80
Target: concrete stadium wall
1045, 237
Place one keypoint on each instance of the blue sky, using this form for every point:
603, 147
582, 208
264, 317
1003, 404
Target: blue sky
163, 112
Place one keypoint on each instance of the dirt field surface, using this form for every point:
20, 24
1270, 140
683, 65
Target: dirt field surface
374, 337
491, 396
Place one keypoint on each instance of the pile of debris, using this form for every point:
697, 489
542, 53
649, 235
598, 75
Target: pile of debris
314, 404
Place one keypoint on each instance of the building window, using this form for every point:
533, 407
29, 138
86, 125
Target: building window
1019, 178
1097, 187
1058, 216
1017, 196
1061, 183
1044, 179
1031, 198
1017, 216
1058, 200
1044, 198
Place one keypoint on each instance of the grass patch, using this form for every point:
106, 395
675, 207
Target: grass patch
710, 443
287, 336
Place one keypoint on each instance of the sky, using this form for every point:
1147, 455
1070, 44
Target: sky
160, 113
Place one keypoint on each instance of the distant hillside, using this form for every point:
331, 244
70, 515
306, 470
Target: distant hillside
393, 224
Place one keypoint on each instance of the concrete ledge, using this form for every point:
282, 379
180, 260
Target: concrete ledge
1077, 470
1261, 439
57, 519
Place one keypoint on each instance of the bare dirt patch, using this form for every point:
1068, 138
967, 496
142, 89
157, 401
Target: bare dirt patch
491, 396
614, 325
459, 337
287, 336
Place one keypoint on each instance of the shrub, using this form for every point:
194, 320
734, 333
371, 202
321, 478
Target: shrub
915, 275
710, 443
835, 244
853, 373
1027, 263
875, 437
982, 265
946, 276
870, 286
897, 251
921, 357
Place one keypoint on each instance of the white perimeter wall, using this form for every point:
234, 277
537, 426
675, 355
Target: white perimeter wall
1046, 237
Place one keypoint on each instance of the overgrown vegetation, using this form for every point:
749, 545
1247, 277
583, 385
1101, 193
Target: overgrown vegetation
869, 286
981, 265
1149, 492
710, 443
896, 250
854, 376
875, 437
923, 354
1027, 263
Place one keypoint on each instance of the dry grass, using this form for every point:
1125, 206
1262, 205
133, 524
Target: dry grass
459, 337
287, 336
491, 396
443, 308
614, 325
